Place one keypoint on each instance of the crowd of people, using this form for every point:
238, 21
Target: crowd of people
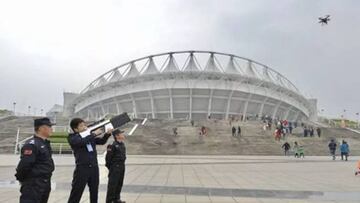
298, 150
282, 127
309, 131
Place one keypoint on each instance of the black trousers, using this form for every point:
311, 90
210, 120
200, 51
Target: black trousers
344, 154
115, 183
85, 175
35, 190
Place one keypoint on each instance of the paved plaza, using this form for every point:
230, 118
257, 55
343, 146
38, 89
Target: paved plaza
209, 179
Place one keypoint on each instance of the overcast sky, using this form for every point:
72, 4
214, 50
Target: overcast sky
47, 47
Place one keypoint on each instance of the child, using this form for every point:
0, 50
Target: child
301, 151
296, 149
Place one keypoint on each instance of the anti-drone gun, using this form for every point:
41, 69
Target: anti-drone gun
104, 124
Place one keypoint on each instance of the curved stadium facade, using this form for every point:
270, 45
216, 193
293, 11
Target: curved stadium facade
191, 85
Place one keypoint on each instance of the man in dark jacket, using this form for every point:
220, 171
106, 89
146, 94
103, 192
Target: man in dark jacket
286, 147
87, 170
239, 131
332, 147
36, 165
318, 131
115, 162
233, 130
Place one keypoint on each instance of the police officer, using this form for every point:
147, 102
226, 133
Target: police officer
115, 162
86, 170
36, 165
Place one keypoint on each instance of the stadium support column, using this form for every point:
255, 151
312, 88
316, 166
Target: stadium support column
246, 106
171, 104
297, 116
102, 109
152, 104
118, 109
262, 107
228, 104
190, 112
210, 101
287, 113
92, 114
134, 106
276, 109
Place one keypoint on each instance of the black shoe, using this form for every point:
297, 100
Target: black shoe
120, 201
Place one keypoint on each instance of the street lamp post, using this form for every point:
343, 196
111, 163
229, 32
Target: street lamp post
29, 108
357, 119
42, 110
14, 104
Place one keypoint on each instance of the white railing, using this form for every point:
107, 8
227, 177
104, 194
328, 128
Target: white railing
58, 148
17, 141
60, 128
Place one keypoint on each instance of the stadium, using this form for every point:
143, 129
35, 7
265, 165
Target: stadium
191, 85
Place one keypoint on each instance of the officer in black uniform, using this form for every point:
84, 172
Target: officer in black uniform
87, 170
115, 162
36, 165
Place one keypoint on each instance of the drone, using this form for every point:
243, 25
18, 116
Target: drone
324, 20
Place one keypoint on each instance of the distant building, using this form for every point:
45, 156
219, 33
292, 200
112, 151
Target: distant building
55, 111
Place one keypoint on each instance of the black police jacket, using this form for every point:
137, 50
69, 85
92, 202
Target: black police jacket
116, 154
35, 160
81, 151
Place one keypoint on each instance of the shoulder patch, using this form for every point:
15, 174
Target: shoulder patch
32, 141
27, 151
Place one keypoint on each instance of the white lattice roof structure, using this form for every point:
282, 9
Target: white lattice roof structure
193, 85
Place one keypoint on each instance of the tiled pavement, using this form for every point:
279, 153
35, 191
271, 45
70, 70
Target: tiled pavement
210, 179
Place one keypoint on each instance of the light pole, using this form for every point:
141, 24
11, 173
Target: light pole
343, 119
323, 117
34, 111
42, 110
14, 104
357, 119
29, 108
